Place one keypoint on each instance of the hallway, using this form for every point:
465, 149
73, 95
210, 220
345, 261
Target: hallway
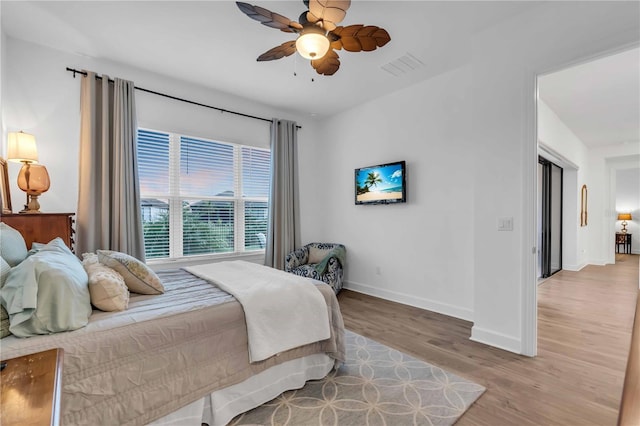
584, 326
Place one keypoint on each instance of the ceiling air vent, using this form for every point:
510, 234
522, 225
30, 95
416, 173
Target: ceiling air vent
403, 65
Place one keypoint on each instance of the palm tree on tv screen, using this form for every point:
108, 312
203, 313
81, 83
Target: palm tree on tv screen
373, 179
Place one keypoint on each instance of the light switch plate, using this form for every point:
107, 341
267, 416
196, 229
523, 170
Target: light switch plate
505, 224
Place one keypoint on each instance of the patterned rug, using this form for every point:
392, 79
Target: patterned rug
376, 386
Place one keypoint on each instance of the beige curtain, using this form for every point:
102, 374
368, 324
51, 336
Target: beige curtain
283, 232
109, 214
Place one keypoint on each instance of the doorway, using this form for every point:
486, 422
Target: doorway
549, 218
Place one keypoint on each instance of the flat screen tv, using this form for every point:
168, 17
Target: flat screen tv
382, 184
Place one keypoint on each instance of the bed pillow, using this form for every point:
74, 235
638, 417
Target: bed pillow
35, 247
12, 246
138, 277
107, 288
47, 292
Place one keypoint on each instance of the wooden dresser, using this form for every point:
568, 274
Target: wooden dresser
42, 227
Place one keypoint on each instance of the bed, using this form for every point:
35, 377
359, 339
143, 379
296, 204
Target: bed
177, 357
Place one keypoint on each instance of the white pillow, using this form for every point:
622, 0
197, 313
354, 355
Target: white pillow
107, 288
137, 276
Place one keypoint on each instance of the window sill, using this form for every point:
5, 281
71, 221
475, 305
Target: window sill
160, 264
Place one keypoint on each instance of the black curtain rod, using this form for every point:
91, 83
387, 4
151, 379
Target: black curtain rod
74, 71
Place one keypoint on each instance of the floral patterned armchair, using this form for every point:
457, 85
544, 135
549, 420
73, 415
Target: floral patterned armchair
321, 261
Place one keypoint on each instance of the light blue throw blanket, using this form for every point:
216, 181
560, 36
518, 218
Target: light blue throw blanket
339, 253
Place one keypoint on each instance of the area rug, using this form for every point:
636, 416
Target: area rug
376, 386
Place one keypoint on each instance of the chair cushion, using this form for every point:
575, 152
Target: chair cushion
316, 254
307, 271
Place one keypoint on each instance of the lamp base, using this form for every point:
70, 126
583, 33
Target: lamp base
33, 206
624, 227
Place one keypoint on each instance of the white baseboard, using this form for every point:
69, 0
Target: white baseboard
498, 340
406, 299
574, 268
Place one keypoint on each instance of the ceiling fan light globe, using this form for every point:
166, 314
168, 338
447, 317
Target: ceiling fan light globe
312, 45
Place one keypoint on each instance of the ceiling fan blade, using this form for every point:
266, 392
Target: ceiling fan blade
328, 64
268, 18
358, 38
329, 12
285, 49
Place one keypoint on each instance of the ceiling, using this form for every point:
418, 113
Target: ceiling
598, 100
213, 44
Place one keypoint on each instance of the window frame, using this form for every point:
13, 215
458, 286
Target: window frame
175, 201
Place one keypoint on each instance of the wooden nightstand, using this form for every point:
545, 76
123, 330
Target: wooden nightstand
42, 227
624, 240
30, 389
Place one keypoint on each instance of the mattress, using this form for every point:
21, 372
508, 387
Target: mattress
162, 353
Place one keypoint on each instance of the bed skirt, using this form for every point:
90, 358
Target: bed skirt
220, 407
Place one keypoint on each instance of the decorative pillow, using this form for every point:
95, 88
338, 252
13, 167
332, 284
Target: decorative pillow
4, 323
4, 316
137, 276
12, 246
47, 293
317, 254
89, 259
4, 271
107, 288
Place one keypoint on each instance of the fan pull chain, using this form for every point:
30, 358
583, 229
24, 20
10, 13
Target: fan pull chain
295, 68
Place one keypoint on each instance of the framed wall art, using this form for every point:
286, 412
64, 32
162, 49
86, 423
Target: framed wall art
583, 206
5, 198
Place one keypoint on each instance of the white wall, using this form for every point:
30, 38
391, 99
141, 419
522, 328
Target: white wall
43, 98
598, 168
3, 62
424, 248
628, 201
603, 163
469, 139
573, 158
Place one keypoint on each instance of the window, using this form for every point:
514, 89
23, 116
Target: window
200, 196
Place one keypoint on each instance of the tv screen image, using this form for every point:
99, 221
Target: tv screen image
382, 184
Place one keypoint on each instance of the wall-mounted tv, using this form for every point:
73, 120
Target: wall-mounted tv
382, 184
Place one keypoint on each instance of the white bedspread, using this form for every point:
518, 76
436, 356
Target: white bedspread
283, 311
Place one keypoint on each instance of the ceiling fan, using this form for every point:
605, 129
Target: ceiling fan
318, 35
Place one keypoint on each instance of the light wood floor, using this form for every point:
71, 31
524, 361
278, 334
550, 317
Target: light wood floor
584, 331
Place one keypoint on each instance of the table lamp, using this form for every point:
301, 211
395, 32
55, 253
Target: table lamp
33, 178
624, 217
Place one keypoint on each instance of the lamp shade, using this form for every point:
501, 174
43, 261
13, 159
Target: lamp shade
33, 179
624, 216
22, 148
312, 45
